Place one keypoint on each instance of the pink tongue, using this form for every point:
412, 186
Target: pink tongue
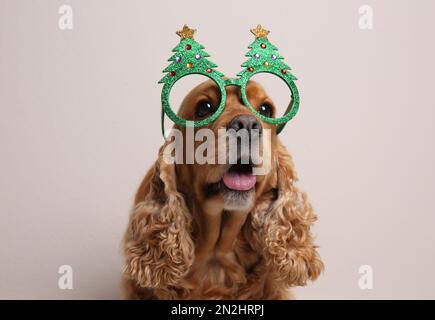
239, 181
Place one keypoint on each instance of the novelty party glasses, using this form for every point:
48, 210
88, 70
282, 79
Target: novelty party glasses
189, 58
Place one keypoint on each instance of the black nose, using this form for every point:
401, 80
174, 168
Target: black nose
248, 122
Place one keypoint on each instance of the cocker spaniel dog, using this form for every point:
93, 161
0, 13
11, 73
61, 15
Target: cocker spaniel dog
216, 231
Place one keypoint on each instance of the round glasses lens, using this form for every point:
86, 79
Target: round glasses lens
269, 95
195, 97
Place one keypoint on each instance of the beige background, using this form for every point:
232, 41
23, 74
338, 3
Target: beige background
79, 124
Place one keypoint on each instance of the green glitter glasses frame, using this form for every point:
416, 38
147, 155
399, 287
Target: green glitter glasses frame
189, 58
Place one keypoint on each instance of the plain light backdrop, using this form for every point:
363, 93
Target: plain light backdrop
80, 125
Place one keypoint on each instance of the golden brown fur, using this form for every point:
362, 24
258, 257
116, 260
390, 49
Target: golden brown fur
179, 244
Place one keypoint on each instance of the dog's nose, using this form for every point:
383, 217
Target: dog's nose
248, 122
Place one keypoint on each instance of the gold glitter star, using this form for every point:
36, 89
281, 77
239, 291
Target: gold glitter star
186, 32
260, 32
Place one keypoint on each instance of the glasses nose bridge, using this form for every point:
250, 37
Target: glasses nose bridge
235, 82
232, 82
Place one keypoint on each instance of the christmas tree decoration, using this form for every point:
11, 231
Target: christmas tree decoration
264, 58
190, 58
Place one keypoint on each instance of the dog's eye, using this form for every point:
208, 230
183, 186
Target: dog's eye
204, 108
265, 110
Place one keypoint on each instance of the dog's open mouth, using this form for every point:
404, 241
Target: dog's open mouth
239, 177
237, 180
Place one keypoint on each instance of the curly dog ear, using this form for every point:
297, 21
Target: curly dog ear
283, 227
157, 244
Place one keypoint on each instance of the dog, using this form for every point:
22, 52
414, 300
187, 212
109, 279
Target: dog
215, 231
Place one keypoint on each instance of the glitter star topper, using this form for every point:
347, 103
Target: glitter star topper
186, 32
260, 32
